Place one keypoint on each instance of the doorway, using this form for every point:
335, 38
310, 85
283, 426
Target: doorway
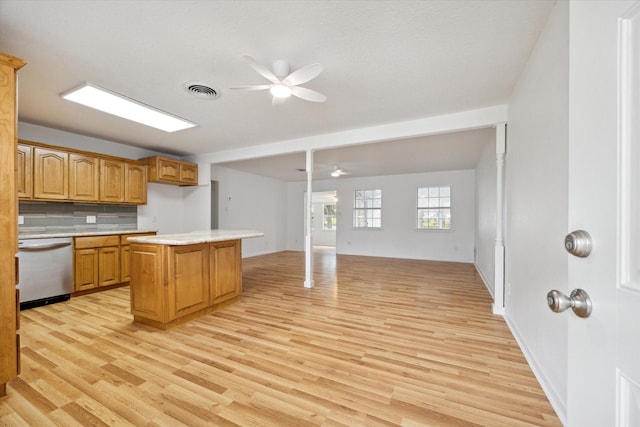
214, 205
324, 219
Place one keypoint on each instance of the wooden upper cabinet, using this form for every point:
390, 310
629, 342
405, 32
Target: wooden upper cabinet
51, 174
84, 177
135, 189
188, 173
170, 171
47, 172
25, 171
111, 181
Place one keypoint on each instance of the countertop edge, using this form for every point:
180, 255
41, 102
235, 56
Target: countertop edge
80, 233
194, 238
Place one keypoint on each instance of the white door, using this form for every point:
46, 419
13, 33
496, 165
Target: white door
604, 188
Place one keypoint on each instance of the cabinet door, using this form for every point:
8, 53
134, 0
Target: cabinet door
147, 290
168, 170
85, 269
84, 177
125, 263
225, 271
135, 190
108, 266
188, 173
111, 181
51, 175
188, 277
25, 171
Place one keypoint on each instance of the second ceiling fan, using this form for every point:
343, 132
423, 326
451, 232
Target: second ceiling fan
284, 84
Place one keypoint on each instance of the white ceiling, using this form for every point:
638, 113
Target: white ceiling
384, 62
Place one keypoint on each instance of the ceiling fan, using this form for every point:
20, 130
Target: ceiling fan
338, 172
284, 84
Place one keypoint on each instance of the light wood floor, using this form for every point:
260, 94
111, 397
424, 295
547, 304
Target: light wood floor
376, 342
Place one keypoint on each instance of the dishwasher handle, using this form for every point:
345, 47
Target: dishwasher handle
43, 246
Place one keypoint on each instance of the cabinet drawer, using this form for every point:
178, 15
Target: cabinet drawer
96, 241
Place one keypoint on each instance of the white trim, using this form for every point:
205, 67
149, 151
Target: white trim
483, 276
538, 372
308, 240
465, 120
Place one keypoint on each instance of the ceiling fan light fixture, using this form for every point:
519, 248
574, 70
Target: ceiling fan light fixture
337, 172
280, 91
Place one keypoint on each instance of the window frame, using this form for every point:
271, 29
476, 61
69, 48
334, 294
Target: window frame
325, 216
356, 219
428, 205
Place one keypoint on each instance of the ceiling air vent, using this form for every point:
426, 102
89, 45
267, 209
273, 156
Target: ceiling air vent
201, 90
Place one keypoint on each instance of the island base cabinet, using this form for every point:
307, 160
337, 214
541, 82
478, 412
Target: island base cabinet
226, 274
188, 284
147, 287
171, 285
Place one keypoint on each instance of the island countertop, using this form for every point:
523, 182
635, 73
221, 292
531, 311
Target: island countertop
195, 237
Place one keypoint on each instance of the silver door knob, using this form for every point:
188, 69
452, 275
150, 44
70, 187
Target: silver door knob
578, 301
578, 243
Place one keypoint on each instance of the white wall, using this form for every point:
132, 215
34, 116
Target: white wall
164, 209
485, 209
537, 209
249, 201
398, 237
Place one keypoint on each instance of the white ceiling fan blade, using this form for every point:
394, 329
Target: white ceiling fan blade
254, 87
304, 74
261, 69
308, 94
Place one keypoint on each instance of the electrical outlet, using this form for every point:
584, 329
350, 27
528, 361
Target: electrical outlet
20, 219
91, 219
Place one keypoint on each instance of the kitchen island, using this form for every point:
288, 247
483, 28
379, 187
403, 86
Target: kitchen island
179, 277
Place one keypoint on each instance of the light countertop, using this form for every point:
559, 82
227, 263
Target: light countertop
197, 237
41, 235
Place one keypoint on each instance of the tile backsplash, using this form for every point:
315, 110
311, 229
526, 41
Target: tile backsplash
59, 217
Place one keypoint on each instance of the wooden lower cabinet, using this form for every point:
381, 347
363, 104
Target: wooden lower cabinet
188, 279
101, 261
171, 285
109, 266
85, 269
225, 271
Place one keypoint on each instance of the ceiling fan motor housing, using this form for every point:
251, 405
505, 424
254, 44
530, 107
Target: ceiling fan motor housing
280, 68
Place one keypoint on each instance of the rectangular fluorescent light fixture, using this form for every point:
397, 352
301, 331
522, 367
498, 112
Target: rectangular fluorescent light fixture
113, 103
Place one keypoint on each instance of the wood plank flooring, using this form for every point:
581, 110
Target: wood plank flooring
376, 342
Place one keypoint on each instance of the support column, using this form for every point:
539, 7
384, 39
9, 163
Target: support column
498, 282
308, 244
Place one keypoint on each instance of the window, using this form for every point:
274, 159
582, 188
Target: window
367, 209
434, 208
329, 218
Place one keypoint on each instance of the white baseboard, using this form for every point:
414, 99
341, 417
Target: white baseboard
485, 280
557, 403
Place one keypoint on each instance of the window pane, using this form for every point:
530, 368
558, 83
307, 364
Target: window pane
367, 207
434, 207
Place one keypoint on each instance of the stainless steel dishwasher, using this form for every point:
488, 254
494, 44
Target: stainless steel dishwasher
45, 271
